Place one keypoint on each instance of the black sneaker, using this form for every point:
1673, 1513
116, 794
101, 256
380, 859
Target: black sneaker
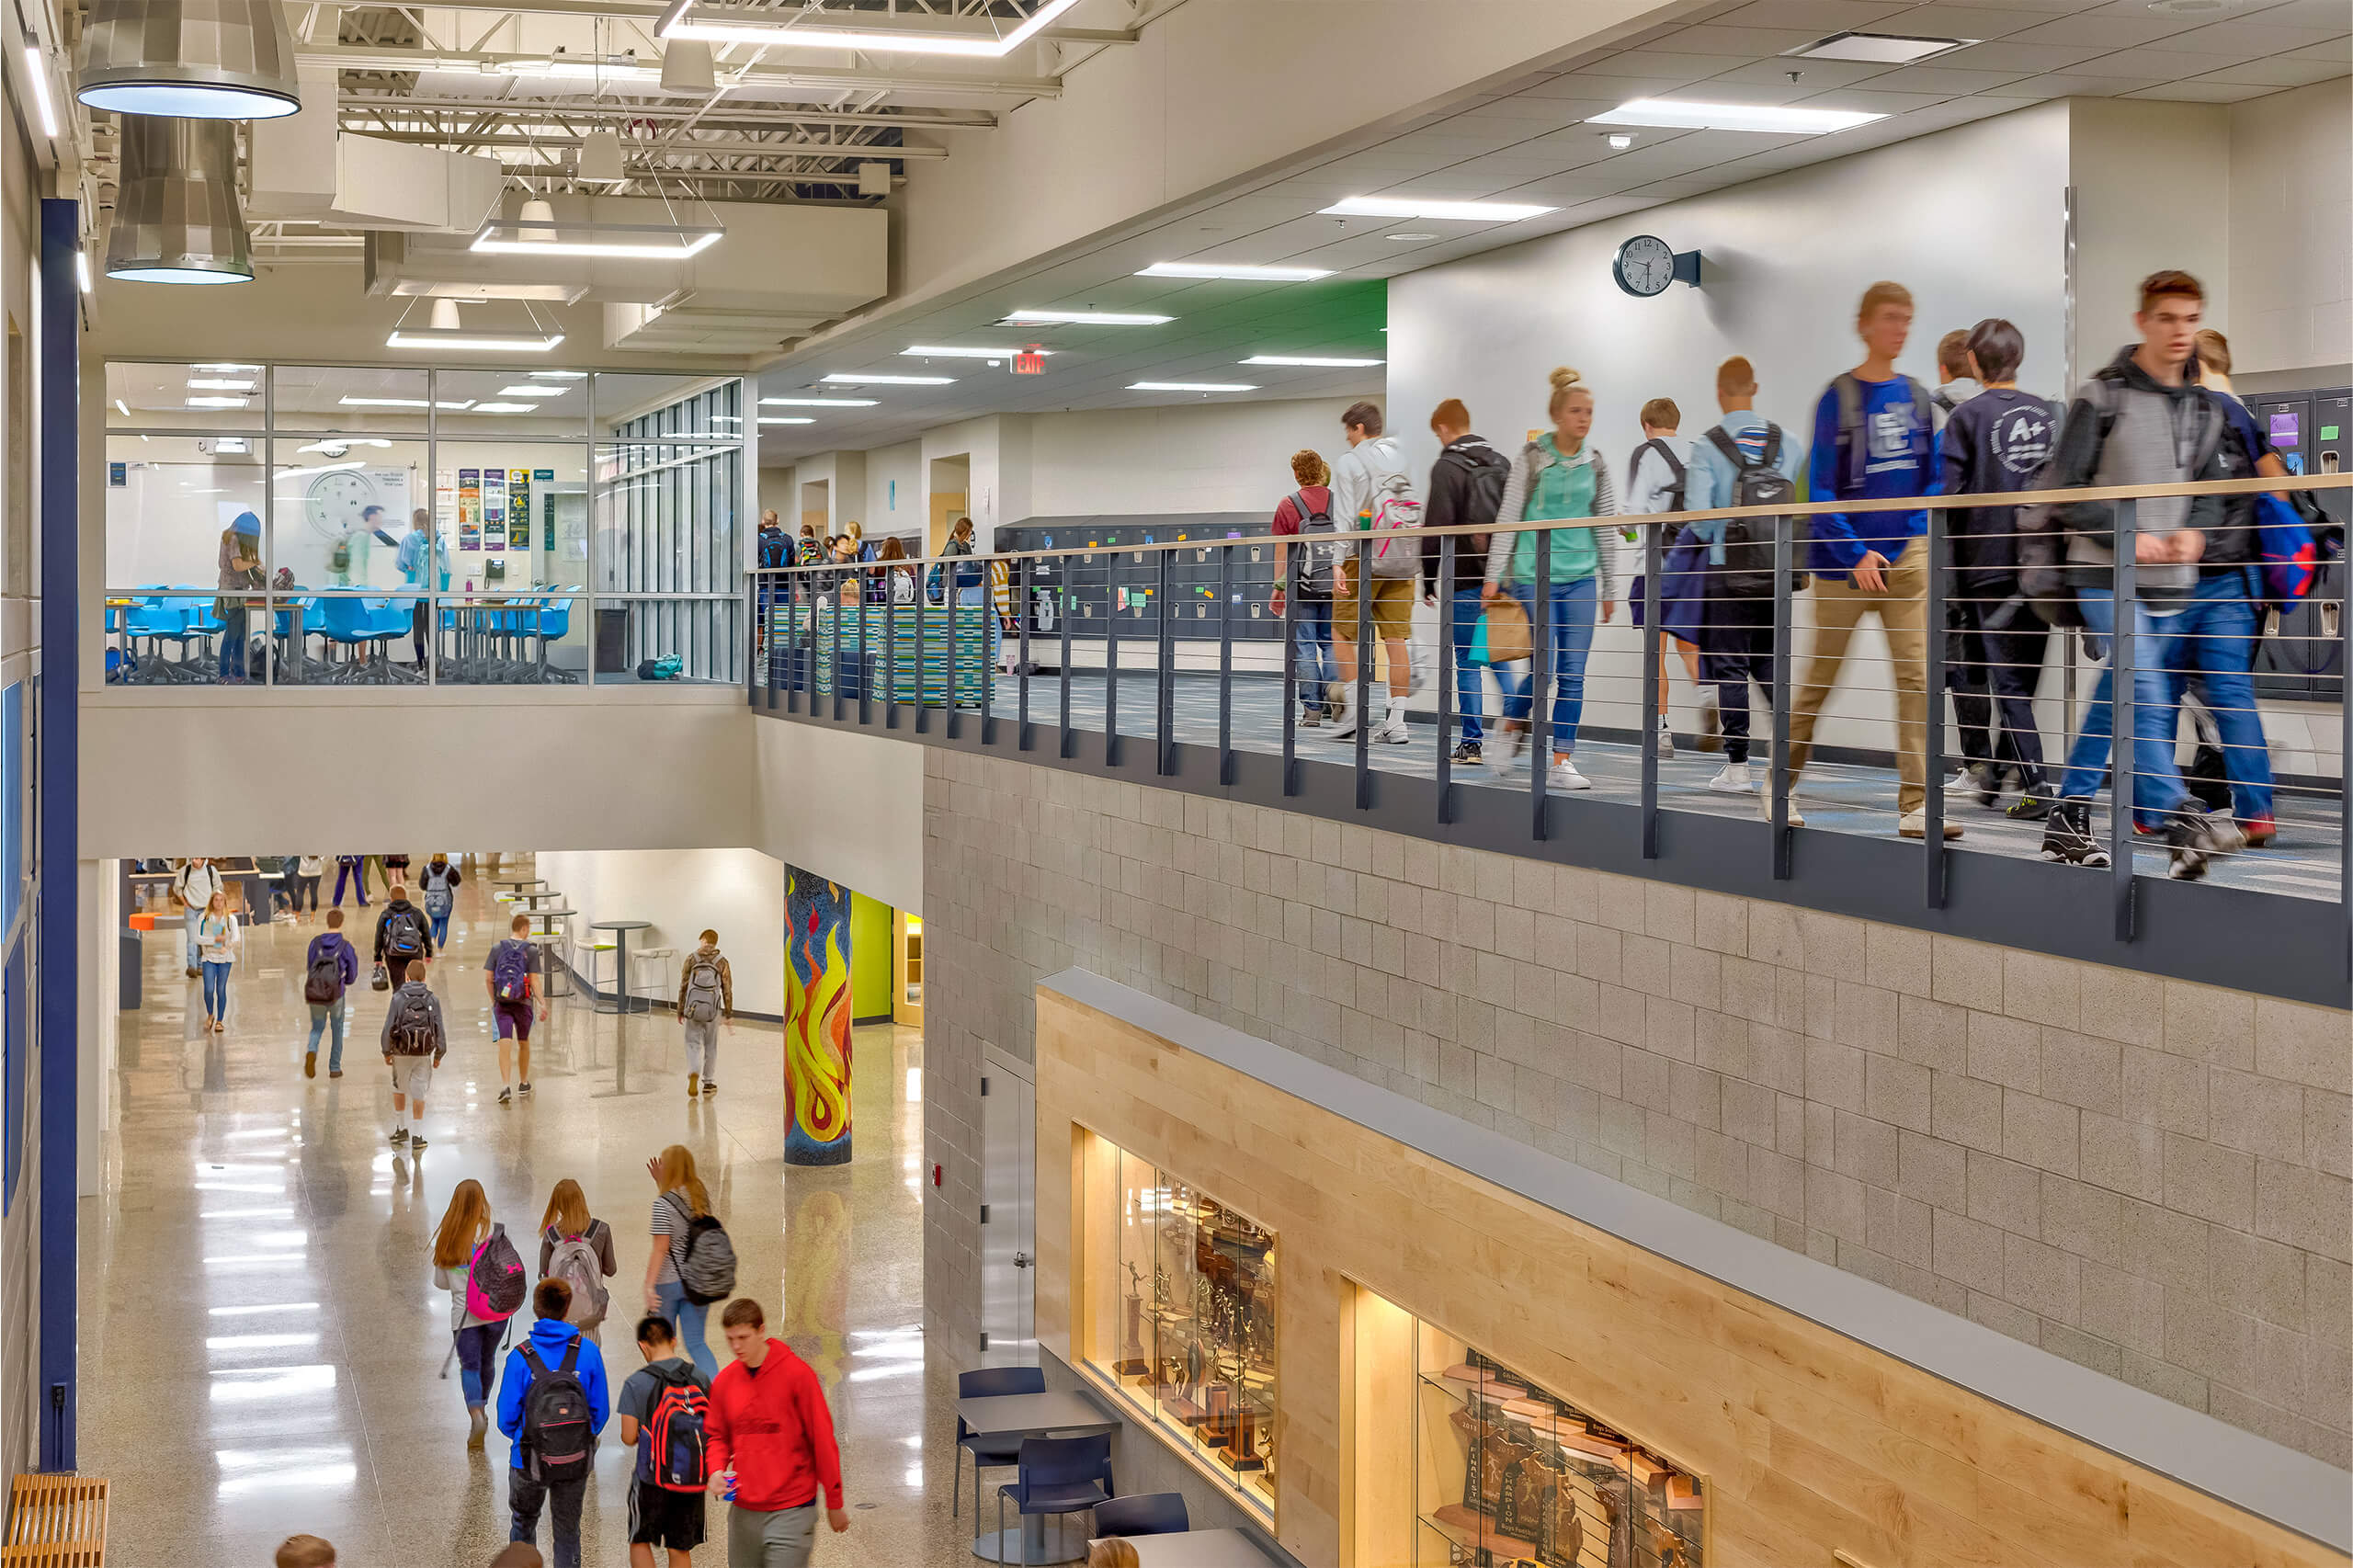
2067, 836
1988, 779
1467, 755
2029, 807
415, 1143
2195, 836
505, 1095
400, 1134
524, 1087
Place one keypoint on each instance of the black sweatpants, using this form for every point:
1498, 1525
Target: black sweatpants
1994, 651
1736, 648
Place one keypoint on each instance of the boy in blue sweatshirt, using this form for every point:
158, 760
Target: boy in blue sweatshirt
551, 1480
1873, 439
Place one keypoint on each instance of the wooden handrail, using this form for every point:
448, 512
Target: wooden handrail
56, 1521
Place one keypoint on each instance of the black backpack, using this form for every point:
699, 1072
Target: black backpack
1311, 562
412, 1033
404, 938
1748, 571
1657, 444
322, 982
556, 1442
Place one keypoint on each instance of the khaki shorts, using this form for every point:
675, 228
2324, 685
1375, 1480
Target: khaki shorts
1392, 606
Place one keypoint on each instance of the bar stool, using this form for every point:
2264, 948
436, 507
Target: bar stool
591, 950
665, 985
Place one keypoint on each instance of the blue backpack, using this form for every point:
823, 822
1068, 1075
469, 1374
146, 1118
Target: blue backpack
2289, 549
510, 970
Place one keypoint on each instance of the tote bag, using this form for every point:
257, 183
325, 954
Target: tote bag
1502, 636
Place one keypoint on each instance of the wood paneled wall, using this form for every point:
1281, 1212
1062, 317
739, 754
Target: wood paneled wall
1811, 1443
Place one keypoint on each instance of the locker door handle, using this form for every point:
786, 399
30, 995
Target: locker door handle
1022, 1260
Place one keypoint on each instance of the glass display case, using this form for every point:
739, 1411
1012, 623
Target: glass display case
1182, 1317
1507, 1474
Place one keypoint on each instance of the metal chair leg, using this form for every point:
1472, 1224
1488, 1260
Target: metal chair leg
956, 1489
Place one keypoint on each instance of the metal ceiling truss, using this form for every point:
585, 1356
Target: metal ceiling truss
823, 82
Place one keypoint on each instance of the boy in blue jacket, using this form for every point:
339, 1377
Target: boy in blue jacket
550, 1478
330, 943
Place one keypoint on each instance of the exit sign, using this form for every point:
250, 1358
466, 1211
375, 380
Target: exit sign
1030, 362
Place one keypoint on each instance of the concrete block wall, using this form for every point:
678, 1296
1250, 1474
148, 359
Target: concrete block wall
2145, 1176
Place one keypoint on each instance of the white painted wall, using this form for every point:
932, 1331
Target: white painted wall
1205, 457
893, 499
2290, 185
847, 806
737, 893
2149, 179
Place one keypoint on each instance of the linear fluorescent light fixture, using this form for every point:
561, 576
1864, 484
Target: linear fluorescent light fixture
429, 337
817, 402
1314, 361
560, 375
1417, 207
37, 67
940, 351
856, 379
1237, 271
287, 473
222, 367
1192, 386
1085, 318
123, 408
217, 401
218, 383
780, 419
792, 26
89, 285
506, 408
632, 241
533, 388
356, 401
336, 445
1878, 49
1774, 119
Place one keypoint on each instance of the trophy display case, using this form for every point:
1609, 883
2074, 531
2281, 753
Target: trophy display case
1509, 1474
1182, 1291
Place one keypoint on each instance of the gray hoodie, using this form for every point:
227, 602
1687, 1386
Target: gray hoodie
2127, 428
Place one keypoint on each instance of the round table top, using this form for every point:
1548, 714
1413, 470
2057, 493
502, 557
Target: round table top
518, 881
620, 926
547, 914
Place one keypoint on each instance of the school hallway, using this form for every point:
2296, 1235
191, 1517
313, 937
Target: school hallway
260, 1332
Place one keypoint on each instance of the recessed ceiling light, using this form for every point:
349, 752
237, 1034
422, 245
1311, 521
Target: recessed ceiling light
1191, 386
937, 351
228, 446
781, 419
857, 379
816, 402
1880, 49
532, 389
1409, 236
1620, 140
1236, 271
1310, 360
1418, 207
1084, 318
1778, 120
684, 19
2192, 8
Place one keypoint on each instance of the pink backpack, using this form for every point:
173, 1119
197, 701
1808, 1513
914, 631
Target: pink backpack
494, 1285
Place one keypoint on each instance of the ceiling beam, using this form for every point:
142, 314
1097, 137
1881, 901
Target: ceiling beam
737, 114
650, 11
819, 79
736, 148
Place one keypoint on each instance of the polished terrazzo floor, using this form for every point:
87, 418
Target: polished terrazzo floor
260, 1334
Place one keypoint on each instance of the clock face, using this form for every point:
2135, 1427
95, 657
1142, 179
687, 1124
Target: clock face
1645, 266
334, 501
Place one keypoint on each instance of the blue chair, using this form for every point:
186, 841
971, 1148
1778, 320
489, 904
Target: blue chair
983, 1384
1058, 1476
551, 624
1144, 1513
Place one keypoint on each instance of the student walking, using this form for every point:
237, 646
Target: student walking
577, 1248
1743, 460
476, 1264
404, 935
680, 1200
218, 942
665, 1410
438, 882
193, 887
414, 1042
551, 1405
1656, 482
1372, 495
1873, 439
507, 974
1307, 581
772, 1437
1559, 475
307, 870
2226, 616
351, 868
1466, 490
329, 967
706, 998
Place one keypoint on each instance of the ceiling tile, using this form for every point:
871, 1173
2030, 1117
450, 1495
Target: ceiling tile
1714, 37
1937, 20
1872, 101
2206, 92
1818, 16
2284, 71
2339, 50
2033, 57
2099, 32
1774, 74
1658, 64
2300, 13
1942, 79
2060, 85
2166, 65
2257, 35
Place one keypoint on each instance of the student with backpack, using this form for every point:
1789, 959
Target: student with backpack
772, 1450
551, 1405
351, 869
577, 1248
1466, 490
706, 997
1744, 459
438, 882
404, 935
414, 1042
193, 886
508, 975
1656, 482
683, 1275
1372, 494
329, 968
1307, 581
664, 1409
478, 1266
1560, 475
1874, 438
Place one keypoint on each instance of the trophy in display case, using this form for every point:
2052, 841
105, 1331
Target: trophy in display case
1560, 1534
1669, 1546
1185, 1405
1132, 1362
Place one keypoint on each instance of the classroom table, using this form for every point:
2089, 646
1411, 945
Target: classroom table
1010, 1415
1199, 1549
624, 1003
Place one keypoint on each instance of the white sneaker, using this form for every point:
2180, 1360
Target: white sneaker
1914, 825
1345, 728
1515, 753
1733, 780
1662, 743
1961, 783
1765, 809
1391, 731
1565, 776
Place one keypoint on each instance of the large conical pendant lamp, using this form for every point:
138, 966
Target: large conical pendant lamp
190, 58
176, 216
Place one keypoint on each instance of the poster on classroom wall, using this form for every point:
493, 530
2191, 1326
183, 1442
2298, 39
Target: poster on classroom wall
469, 508
518, 508
494, 508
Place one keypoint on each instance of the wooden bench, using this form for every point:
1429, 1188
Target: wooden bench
56, 1521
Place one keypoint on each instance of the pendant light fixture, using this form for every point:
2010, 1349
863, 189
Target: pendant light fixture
190, 58
445, 332
175, 215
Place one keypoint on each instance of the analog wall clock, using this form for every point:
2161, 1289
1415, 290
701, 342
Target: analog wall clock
334, 501
1645, 265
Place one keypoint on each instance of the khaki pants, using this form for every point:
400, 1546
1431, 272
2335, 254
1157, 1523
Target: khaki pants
1902, 612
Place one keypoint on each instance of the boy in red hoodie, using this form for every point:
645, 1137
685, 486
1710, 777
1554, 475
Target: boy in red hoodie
769, 1430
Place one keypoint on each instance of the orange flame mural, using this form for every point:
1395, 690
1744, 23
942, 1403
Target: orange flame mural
817, 1020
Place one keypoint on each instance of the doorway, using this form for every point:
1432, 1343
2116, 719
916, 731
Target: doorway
816, 507
907, 968
951, 494
1009, 1210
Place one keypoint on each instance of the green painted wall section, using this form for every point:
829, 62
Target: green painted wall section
869, 957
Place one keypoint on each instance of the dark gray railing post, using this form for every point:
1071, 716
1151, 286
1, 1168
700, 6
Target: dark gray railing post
834, 648
1225, 664
1114, 605
1364, 673
923, 664
2122, 718
1653, 644
1067, 598
1290, 672
955, 651
1932, 676
1446, 676
1784, 632
1164, 688
991, 638
865, 674
1024, 603
1540, 686
890, 581
2345, 755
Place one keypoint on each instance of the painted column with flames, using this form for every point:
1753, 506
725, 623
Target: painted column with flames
817, 1020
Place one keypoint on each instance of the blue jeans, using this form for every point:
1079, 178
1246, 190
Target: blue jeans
216, 990
1468, 682
2217, 650
2156, 781
478, 1359
441, 929
690, 1317
232, 645
1574, 606
322, 1015
1310, 633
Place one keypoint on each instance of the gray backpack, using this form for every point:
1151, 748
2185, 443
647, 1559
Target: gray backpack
703, 991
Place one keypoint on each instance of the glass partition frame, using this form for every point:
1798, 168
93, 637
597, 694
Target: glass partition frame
719, 550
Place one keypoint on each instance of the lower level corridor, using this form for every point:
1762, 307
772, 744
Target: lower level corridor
261, 1335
